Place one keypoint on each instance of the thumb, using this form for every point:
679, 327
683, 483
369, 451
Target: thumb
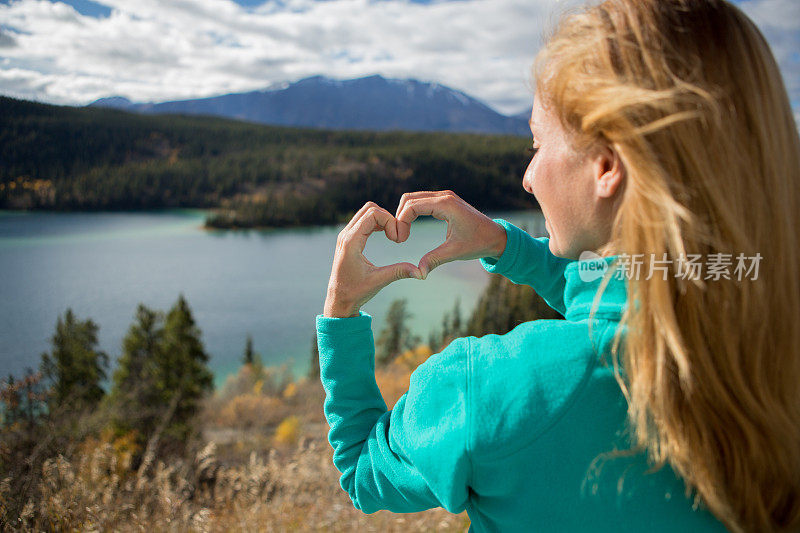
433, 259
391, 273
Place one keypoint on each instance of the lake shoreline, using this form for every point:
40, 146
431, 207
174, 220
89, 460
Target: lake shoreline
269, 283
207, 211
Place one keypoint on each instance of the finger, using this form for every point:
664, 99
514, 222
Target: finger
437, 206
359, 214
404, 226
388, 274
373, 219
436, 257
417, 194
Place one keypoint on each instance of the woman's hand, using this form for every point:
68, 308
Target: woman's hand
354, 280
470, 233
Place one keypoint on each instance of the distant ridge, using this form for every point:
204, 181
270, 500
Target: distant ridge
116, 102
369, 103
523, 115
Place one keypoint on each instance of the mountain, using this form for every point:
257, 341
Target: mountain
522, 115
370, 103
114, 102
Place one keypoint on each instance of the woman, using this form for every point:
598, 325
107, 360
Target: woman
662, 130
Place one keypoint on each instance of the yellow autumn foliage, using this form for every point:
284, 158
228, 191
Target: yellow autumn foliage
288, 431
290, 390
251, 410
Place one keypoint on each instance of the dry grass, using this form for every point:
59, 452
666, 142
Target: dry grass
293, 491
262, 463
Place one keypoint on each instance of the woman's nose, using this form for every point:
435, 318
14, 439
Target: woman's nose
527, 181
526, 187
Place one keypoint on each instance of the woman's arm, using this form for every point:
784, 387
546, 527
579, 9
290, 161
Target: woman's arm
413, 457
528, 260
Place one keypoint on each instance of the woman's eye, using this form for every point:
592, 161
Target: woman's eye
532, 150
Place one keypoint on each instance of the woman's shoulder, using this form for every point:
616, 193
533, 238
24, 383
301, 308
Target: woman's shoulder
520, 383
545, 351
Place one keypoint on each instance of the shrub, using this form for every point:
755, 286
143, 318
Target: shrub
288, 431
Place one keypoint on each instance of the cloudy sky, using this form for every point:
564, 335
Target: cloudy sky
75, 51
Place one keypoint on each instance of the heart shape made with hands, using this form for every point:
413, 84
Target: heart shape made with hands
354, 279
400, 235
470, 233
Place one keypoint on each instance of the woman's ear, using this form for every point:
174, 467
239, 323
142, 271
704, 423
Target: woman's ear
609, 172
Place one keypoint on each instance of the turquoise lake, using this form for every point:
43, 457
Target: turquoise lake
267, 283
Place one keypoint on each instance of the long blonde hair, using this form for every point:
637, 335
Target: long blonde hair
690, 96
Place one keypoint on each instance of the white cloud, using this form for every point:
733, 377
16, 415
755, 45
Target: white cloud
155, 50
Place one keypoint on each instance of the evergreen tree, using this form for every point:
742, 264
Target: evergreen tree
434, 340
456, 322
249, 354
183, 372
12, 401
451, 326
32, 397
395, 336
134, 394
504, 305
313, 369
445, 328
75, 367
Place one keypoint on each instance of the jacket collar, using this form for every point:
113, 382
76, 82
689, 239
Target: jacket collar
583, 281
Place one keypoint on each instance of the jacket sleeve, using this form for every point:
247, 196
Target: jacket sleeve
528, 260
413, 457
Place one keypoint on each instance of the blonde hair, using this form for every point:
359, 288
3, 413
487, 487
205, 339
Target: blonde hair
690, 96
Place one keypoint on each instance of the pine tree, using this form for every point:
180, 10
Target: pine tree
395, 336
249, 354
456, 322
12, 401
504, 305
313, 369
32, 397
446, 337
451, 327
183, 371
75, 367
434, 340
134, 395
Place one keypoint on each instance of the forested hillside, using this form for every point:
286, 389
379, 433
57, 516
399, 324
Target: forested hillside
70, 158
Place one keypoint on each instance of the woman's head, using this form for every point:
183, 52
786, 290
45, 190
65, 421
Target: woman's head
577, 190
684, 98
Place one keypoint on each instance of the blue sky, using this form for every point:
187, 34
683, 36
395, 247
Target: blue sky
75, 51
98, 9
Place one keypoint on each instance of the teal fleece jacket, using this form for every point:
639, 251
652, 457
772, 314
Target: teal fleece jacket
506, 427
